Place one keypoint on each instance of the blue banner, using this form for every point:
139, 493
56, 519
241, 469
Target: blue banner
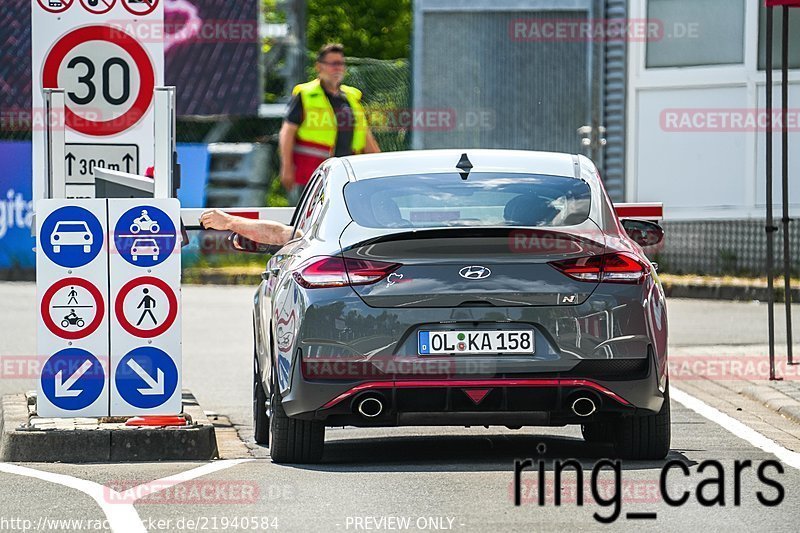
16, 205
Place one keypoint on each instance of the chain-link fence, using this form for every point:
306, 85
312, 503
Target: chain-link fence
387, 98
723, 247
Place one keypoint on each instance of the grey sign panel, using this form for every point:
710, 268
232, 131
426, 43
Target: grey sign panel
82, 159
504, 92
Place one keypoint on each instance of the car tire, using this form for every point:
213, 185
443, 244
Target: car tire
644, 437
596, 432
260, 418
292, 440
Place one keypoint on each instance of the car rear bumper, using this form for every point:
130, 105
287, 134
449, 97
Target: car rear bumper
542, 399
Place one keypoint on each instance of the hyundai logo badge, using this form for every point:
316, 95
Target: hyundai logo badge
475, 272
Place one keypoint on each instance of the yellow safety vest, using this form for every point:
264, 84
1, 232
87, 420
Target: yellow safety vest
319, 124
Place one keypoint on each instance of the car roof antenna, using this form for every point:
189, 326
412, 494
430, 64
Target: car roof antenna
465, 166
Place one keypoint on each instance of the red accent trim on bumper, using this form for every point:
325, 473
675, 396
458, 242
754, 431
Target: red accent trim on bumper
510, 382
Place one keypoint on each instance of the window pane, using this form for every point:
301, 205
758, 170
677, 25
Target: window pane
446, 200
794, 38
696, 32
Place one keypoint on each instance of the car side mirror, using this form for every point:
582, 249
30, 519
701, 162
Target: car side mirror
243, 244
642, 232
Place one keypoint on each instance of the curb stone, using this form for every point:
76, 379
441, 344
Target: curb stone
27, 438
775, 400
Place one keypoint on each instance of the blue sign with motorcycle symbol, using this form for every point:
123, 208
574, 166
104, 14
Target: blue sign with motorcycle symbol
145, 236
146, 377
73, 379
71, 237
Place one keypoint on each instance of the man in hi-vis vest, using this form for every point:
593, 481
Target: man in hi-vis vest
325, 119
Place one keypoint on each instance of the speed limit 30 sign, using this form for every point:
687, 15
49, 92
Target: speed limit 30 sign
112, 74
93, 50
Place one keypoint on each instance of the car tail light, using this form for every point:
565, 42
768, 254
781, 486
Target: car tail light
325, 272
612, 268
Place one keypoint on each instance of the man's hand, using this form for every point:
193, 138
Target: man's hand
216, 219
286, 141
287, 176
260, 231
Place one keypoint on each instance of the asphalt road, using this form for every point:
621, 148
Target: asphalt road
400, 479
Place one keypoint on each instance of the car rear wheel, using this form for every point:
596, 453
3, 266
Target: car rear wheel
260, 418
643, 437
292, 440
596, 432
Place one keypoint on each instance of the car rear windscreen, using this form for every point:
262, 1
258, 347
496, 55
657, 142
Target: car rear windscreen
483, 199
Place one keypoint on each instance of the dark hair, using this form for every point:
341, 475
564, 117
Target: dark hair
329, 49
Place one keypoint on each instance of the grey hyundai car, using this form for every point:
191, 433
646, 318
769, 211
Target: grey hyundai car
450, 288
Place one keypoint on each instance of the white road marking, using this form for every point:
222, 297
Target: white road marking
152, 487
118, 507
742, 431
120, 517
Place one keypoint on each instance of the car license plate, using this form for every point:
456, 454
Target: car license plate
476, 342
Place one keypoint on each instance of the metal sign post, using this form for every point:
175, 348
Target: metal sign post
770, 226
54, 142
787, 259
165, 143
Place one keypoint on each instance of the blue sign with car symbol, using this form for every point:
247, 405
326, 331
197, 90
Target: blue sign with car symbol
145, 236
71, 237
146, 377
73, 379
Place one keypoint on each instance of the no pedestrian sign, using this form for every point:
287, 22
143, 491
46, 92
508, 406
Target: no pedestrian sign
146, 307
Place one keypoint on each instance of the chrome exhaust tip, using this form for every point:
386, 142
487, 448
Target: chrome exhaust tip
370, 407
584, 406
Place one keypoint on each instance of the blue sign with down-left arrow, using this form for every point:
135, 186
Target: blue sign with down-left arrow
73, 379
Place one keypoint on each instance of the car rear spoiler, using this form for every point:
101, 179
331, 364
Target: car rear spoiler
191, 216
649, 211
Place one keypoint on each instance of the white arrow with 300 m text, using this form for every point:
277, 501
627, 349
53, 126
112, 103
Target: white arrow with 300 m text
64, 388
156, 386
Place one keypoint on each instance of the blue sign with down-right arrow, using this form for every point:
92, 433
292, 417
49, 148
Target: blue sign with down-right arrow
146, 377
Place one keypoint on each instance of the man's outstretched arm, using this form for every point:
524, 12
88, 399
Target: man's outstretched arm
260, 231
